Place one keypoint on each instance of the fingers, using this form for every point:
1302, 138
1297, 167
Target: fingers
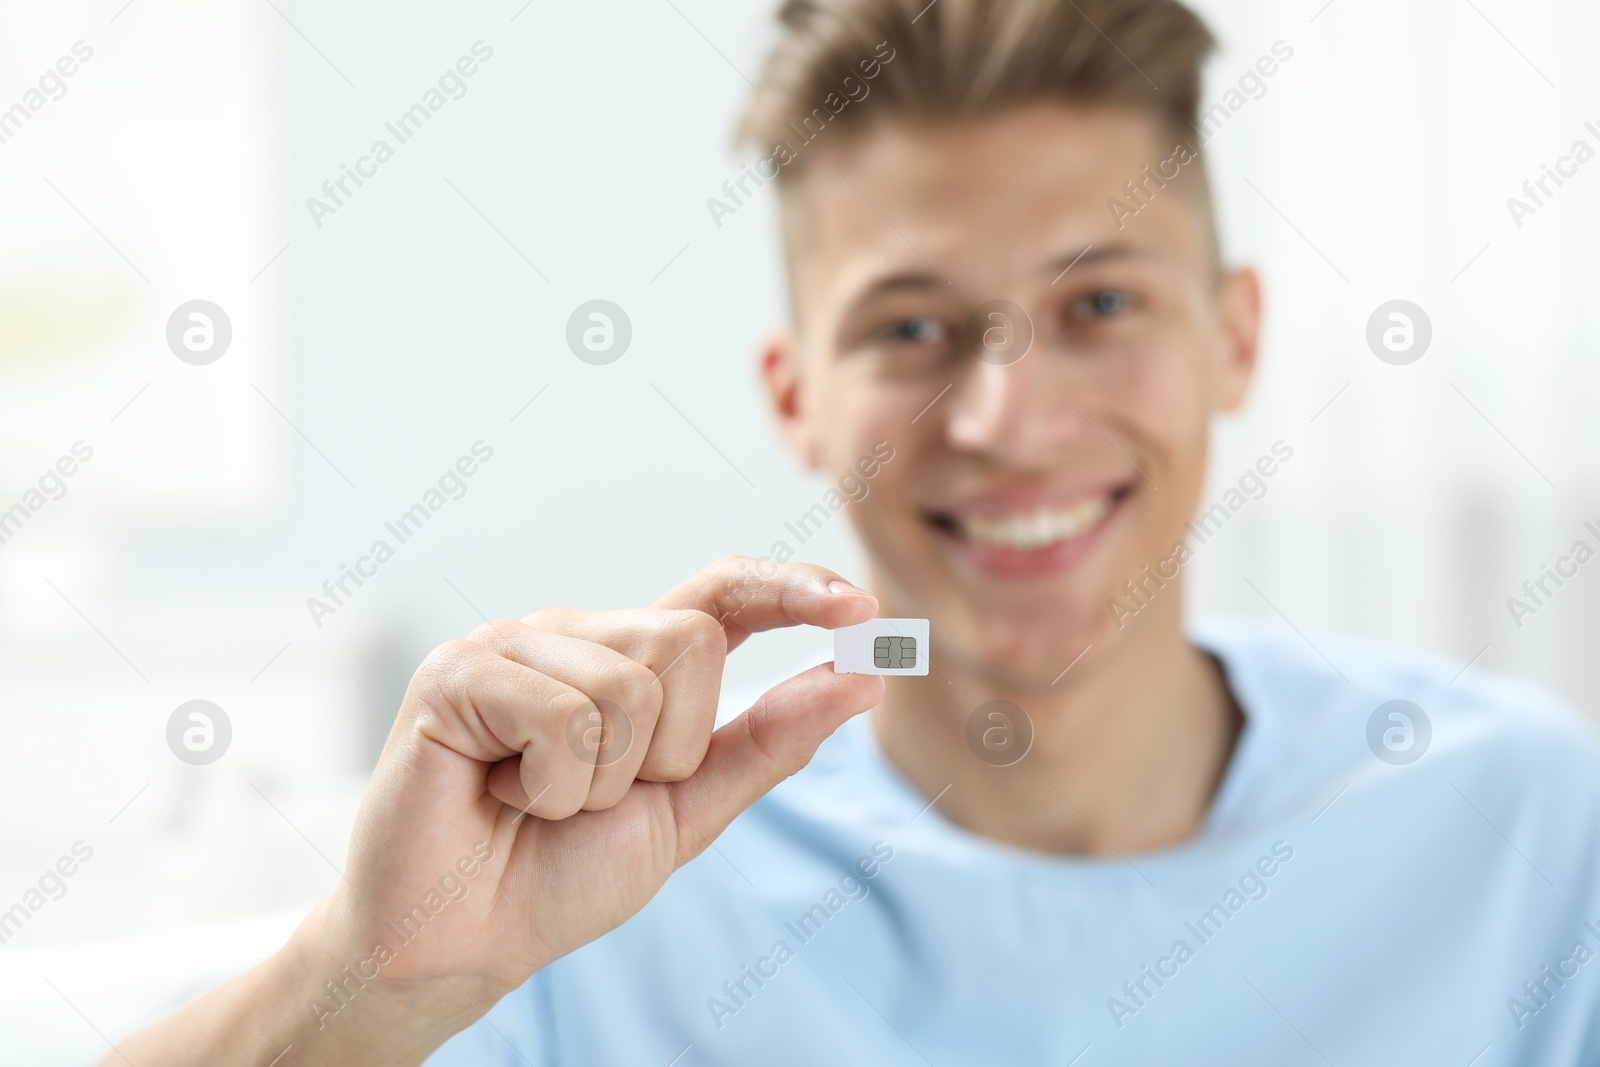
570, 708
491, 709
686, 650
762, 747
747, 596
613, 730
626, 694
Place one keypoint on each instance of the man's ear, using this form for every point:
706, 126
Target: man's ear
1241, 337
780, 380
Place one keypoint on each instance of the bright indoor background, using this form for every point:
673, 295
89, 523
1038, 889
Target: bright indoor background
425, 315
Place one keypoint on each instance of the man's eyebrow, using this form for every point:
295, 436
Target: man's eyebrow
921, 281
1093, 254
903, 281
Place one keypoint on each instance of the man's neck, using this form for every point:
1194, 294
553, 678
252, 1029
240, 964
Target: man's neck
1128, 748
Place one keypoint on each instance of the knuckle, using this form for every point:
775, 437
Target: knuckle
562, 707
493, 635
636, 688
444, 677
456, 651
556, 619
700, 632
449, 660
742, 570
549, 620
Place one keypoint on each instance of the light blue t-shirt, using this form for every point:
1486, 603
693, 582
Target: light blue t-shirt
1336, 908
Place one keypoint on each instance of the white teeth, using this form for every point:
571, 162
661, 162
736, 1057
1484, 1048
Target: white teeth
1033, 530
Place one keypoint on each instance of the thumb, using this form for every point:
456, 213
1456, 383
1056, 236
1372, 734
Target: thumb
762, 747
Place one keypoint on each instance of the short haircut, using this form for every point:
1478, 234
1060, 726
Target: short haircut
956, 59
843, 65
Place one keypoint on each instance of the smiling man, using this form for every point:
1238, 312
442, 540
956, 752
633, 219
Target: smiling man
1089, 836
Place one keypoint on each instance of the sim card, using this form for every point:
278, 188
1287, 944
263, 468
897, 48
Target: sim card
882, 646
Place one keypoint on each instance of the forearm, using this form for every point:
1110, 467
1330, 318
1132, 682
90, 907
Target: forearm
284, 1012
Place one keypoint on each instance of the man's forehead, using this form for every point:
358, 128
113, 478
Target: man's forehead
908, 204
1037, 148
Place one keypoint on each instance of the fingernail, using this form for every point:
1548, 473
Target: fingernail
843, 588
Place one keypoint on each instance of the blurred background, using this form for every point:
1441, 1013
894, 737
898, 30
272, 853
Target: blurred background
374, 344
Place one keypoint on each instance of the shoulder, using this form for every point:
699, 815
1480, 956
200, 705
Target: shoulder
1351, 700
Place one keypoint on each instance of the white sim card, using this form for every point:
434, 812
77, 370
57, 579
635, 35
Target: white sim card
882, 646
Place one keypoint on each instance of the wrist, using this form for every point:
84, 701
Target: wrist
342, 1008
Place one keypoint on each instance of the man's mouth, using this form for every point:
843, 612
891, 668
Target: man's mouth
1028, 534
1031, 530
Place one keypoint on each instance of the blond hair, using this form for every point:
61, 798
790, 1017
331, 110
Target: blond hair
961, 58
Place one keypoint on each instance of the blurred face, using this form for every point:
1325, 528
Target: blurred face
1046, 449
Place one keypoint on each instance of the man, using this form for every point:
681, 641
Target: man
1087, 836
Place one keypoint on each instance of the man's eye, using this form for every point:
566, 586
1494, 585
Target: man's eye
919, 329
1104, 304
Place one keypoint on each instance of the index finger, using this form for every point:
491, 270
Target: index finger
749, 595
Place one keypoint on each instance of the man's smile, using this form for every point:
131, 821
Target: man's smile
1030, 531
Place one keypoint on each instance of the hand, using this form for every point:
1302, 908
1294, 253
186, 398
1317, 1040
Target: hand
545, 777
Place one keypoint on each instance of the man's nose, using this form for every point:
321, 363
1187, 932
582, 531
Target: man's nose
1016, 412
